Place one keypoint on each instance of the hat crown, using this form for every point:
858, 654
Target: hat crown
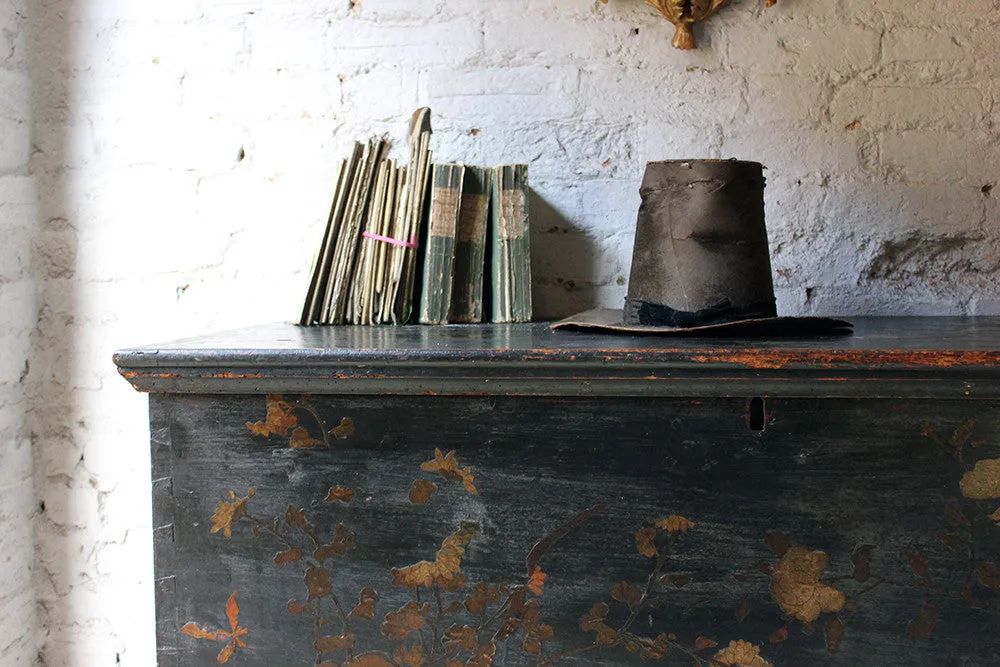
701, 249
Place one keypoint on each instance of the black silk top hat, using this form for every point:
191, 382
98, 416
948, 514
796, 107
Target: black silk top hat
701, 263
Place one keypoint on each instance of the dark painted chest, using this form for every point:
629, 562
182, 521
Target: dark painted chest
511, 496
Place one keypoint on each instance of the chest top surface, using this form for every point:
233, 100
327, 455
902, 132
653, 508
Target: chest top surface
885, 357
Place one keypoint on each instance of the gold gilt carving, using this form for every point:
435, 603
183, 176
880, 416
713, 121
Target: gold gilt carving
684, 13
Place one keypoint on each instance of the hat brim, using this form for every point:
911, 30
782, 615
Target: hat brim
607, 320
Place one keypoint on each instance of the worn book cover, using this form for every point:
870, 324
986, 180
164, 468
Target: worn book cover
439, 246
510, 245
404, 260
470, 246
347, 242
312, 309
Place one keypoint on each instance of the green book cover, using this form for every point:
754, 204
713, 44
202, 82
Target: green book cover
470, 246
510, 245
439, 243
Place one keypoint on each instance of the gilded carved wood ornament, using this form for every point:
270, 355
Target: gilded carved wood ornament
684, 13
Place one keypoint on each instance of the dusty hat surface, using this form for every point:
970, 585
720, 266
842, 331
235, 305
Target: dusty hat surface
609, 320
701, 263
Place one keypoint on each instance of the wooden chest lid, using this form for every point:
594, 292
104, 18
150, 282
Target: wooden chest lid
926, 357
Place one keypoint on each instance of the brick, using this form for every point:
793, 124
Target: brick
521, 93
910, 107
530, 38
941, 156
787, 47
922, 45
352, 41
772, 99
695, 98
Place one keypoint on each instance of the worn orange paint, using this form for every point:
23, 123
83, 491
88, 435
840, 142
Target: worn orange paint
770, 359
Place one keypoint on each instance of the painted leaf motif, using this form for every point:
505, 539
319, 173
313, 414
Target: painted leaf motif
234, 635
962, 435
923, 625
627, 593
340, 493
862, 559
233, 613
983, 481
743, 608
594, 621
645, 542
988, 575
795, 585
535, 635
919, 564
778, 636
343, 541
199, 632
409, 618
654, 649
338, 643
229, 511
283, 558
741, 653
482, 656
279, 419
535, 632
953, 511
411, 656
952, 540
995, 517
301, 439
448, 467
295, 608
537, 581
373, 659
481, 597
704, 642
674, 524
778, 542
677, 580
835, 629
366, 604
464, 636
445, 571
226, 653
296, 518
317, 581
421, 491
344, 430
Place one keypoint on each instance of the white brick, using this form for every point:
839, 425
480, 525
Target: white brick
529, 39
352, 42
789, 47
934, 157
922, 45
522, 93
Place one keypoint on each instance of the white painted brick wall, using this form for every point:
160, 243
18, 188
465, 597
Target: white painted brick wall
18, 617
878, 123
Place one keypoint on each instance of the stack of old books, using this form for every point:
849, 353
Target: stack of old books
435, 243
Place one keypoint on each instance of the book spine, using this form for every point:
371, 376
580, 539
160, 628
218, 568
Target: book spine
439, 246
510, 245
470, 247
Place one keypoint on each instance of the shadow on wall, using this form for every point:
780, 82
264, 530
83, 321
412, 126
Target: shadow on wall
552, 295
60, 540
